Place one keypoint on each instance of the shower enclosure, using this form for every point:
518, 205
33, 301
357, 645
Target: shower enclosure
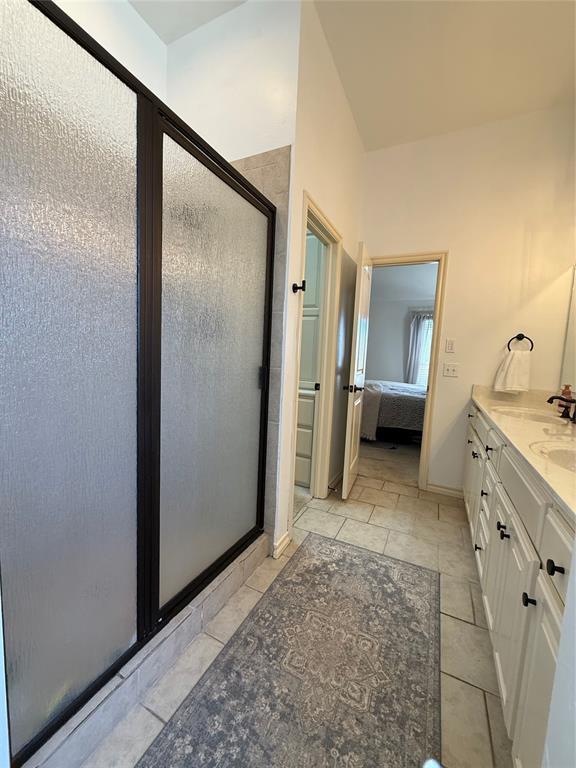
135, 284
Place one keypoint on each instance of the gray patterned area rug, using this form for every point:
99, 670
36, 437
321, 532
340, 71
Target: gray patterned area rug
337, 666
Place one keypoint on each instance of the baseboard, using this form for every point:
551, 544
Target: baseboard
281, 545
445, 490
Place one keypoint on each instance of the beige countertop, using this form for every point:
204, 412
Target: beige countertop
535, 430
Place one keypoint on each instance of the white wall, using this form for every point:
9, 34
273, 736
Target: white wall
119, 28
234, 79
500, 199
396, 291
327, 164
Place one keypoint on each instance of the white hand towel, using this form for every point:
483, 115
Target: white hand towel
513, 375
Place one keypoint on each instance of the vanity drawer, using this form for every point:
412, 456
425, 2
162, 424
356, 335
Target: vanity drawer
529, 501
556, 546
489, 483
482, 428
494, 445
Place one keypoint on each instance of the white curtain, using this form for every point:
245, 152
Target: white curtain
418, 363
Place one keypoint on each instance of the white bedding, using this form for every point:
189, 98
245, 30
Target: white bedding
392, 404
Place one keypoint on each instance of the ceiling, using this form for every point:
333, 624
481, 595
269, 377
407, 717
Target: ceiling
406, 282
171, 19
418, 68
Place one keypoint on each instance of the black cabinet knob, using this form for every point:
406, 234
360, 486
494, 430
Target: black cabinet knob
526, 601
358, 389
483, 493
469, 442
552, 568
500, 526
471, 415
301, 287
488, 449
477, 548
504, 535
474, 455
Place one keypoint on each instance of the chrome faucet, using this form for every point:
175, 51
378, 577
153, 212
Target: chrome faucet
568, 401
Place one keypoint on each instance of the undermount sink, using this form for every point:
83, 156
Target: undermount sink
558, 453
530, 414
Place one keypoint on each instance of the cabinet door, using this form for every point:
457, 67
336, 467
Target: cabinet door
469, 469
478, 458
492, 575
544, 626
518, 571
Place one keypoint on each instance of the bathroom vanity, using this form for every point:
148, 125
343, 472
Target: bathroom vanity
520, 496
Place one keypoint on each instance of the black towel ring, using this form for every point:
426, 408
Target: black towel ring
521, 337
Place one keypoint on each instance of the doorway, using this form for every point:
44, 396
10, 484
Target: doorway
400, 367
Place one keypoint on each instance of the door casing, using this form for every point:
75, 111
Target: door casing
425, 258
316, 222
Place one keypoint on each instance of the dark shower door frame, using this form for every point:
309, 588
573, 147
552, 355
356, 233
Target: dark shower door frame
154, 119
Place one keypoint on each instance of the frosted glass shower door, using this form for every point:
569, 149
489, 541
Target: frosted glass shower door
68, 323
214, 277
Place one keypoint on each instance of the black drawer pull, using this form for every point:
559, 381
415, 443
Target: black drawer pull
500, 526
469, 442
483, 493
488, 449
474, 455
526, 601
471, 415
504, 535
477, 548
552, 568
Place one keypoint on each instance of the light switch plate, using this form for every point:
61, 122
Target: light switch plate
450, 345
450, 370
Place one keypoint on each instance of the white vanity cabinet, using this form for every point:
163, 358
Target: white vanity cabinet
523, 545
545, 624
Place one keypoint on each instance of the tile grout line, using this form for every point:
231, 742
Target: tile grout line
449, 674
492, 750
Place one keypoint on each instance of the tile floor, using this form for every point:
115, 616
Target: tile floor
385, 513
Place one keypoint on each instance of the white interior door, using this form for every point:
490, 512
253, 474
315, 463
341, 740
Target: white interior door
310, 358
357, 374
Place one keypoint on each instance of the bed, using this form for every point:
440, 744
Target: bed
392, 405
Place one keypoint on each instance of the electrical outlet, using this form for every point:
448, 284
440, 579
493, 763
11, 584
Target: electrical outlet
450, 345
450, 370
